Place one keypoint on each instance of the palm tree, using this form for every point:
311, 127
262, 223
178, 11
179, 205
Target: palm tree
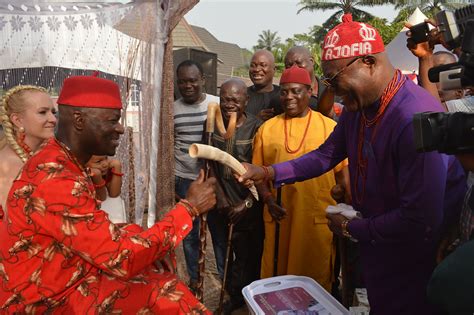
268, 40
341, 7
429, 7
308, 40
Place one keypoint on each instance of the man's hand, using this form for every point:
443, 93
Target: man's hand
202, 194
266, 114
423, 50
278, 213
254, 174
420, 50
335, 223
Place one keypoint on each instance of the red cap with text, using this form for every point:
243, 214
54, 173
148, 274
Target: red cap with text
351, 39
90, 91
295, 74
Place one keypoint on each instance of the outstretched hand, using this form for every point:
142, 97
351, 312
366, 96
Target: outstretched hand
202, 194
254, 174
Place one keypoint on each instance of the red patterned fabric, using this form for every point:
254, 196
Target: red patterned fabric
60, 254
90, 91
351, 39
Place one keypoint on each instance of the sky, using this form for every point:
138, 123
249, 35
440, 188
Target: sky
241, 21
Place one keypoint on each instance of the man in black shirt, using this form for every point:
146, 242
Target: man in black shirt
264, 96
234, 199
322, 99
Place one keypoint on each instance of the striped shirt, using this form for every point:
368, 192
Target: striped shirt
188, 129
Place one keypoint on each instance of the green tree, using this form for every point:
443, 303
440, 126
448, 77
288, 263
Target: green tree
307, 40
388, 31
341, 7
268, 40
406, 7
429, 7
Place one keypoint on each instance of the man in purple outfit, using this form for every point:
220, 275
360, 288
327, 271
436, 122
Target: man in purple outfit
405, 197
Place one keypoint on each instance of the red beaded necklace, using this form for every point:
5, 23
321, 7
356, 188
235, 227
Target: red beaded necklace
362, 162
287, 146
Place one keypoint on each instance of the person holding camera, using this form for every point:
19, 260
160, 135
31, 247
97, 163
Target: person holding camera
428, 59
404, 196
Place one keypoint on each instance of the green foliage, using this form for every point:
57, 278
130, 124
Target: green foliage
308, 40
280, 66
241, 71
341, 6
402, 16
314, 37
268, 40
431, 7
388, 31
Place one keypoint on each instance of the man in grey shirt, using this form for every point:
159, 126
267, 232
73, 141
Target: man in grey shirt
190, 113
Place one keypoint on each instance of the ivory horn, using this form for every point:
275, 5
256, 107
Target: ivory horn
214, 115
208, 152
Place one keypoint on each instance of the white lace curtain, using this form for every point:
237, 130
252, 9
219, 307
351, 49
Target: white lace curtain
44, 42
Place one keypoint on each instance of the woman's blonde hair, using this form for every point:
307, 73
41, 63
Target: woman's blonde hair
13, 102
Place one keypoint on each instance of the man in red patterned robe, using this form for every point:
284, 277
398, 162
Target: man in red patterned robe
59, 253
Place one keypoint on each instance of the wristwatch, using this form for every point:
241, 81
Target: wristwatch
248, 202
345, 232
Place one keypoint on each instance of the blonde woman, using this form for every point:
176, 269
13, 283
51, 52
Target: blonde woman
27, 114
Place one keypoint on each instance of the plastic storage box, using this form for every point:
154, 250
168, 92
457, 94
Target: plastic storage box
295, 295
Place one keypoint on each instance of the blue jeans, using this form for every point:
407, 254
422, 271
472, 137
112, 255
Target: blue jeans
217, 225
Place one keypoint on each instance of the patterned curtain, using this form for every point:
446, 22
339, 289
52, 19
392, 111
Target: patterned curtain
164, 195
45, 42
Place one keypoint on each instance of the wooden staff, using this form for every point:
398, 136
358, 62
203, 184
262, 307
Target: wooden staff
203, 217
226, 267
277, 237
212, 118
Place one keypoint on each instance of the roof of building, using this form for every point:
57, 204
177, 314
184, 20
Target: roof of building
231, 55
184, 36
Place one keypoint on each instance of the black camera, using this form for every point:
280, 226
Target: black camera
451, 133
419, 33
456, 30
